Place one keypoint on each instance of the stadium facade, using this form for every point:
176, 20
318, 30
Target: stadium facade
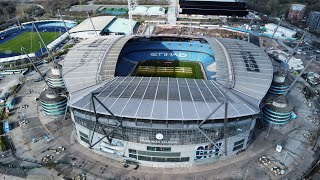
162, 121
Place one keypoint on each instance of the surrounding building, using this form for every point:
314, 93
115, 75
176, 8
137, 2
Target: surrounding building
91, 27
282, 32
296, 12
162, 121
314, 20
101, 25
282, 57
148, 11
214, 7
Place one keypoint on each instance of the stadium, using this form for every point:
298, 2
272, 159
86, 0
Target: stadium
165, 101
24, 35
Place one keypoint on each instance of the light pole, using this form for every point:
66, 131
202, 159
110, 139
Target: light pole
268, 132
131, 5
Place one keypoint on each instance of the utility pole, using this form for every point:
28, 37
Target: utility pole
65, 26
282, 16
42, 41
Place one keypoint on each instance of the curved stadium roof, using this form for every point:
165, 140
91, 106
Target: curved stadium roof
243, 77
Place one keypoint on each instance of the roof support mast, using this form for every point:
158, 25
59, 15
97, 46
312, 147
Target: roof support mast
295, 48
247, 29
34, 65
282, 16
35, 27
289, 57
65, 26
299, 76
92, 24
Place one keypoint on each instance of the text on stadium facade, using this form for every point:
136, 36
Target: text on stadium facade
168, 54
250, 62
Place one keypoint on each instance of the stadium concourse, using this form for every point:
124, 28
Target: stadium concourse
165, 121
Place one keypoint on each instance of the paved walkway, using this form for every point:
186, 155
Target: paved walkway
232, 167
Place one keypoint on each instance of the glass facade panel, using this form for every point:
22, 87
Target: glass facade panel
183, 135
152, 148
84, 140
237, 147
157, 156
238, 142
133, 156
83, 134
163, 154
144, 158
158, 159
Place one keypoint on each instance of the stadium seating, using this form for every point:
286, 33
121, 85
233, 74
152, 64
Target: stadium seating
165, 50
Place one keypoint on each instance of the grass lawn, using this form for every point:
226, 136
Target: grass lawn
177, 69
24, 39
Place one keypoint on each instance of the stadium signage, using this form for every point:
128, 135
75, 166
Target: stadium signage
158, 141
165, 54
250, 62
159, 136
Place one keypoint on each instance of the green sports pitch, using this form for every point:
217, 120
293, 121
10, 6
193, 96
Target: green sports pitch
177, 69
29, 40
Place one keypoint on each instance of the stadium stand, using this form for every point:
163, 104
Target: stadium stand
166, 50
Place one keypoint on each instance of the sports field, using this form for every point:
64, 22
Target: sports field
29, 40
177, 69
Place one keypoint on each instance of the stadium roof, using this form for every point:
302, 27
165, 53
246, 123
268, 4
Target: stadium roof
244, 75
99, 22
82, 63
167, 98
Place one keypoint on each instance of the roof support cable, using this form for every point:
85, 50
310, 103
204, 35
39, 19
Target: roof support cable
108, 135
213, 143
225, 125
